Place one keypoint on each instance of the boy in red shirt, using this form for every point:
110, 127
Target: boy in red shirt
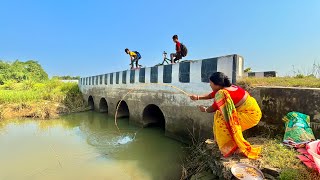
176, 56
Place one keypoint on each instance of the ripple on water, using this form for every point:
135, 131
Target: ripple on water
110, 139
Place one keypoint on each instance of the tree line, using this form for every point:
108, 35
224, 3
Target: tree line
66, 77
20, 71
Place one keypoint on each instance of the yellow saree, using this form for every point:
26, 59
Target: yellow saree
229, 122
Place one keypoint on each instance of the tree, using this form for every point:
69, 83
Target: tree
247, 70
4, 71
19, 71
34, 70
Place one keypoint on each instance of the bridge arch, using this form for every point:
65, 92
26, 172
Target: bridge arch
91, 103
123, 110
103, 105
153, 116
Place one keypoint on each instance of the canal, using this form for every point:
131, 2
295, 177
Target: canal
86, 146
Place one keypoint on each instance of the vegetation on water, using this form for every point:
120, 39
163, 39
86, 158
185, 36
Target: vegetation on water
197, 162
26, 91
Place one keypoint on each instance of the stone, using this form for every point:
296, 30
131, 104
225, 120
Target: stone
207, 175
269, 177
275, 172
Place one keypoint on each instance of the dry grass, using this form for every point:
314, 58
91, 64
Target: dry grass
198, 158
41, 110
299, 81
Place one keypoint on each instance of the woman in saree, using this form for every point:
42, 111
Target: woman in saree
235, 111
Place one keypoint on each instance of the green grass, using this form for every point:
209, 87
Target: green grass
30, 92
276, 155
298, 81
39, 95
13, 96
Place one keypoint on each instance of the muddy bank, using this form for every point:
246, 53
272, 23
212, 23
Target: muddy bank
38, 110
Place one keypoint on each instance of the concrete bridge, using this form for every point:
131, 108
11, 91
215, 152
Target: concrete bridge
152, 103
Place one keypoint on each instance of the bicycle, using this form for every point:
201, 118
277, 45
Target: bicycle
165, 59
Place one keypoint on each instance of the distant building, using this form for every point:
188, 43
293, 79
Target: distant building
261, 74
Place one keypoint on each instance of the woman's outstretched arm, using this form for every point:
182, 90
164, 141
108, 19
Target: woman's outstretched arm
200, 97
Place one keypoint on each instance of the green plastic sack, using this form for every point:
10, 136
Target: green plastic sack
298, 128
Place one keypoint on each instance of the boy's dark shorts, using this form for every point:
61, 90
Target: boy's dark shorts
177, 56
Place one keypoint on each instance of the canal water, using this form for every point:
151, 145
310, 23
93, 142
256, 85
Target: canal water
86, 146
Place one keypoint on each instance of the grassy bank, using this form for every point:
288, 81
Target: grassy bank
39, 100
297, 81
205, 162
276, 155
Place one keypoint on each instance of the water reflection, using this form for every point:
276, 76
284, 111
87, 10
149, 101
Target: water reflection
86, 146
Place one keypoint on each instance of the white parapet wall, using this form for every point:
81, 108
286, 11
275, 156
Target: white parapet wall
181, 74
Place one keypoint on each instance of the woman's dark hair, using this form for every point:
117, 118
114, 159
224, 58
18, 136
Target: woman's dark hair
218, 78
175, 36
126, 50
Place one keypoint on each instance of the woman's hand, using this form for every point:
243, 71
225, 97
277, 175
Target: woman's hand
203, 109
194, 97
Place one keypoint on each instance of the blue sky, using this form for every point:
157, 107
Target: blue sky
88, 37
